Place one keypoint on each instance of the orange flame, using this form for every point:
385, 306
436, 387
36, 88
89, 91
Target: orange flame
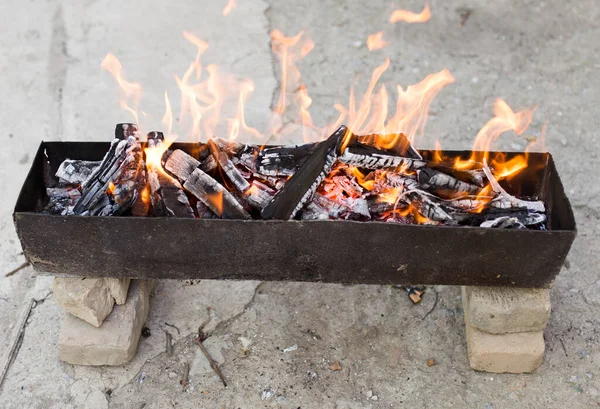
239, 123
505, 119
290, 50
229, 7
111, 188
410, 17
360, 179
375, 41
216, 199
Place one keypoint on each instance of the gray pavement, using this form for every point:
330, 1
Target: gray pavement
528, 53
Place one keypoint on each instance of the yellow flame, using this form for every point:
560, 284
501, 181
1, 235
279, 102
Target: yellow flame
167, 119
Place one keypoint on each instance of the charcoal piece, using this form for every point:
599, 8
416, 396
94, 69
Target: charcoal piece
378, 208
474, 176
61, 200
167, 197
154, 138
247, 157
504, 222
203, 186
399, 144
73, 171
273, 182
300, 188
444, 185
369, 158
331, 207
259, 195
204, 212
466, 204
358, 208
179, 163
214, 195
282, 160
231, 148
312, 211
428, 207
415, 294
125, 130
208, 164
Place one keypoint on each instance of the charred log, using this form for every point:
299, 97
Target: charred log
399, 144
115, 185
259, 195
228, 168
369, 158
204, 212
73, 171
124, 131
203, 186
214, 195
444, 185
278, 160
300, 188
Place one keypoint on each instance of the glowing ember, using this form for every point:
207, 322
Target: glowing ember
410, 17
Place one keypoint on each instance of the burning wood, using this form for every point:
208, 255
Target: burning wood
317, 181
166, 196
444, 185
300, 188
210, 192
115, 185
232, 173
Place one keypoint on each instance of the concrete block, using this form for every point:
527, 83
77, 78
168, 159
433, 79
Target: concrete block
502, 353
86, 298
501, 310
118, 288
116, 341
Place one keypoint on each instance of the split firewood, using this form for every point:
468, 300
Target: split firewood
301, 187
117, 183
203, 186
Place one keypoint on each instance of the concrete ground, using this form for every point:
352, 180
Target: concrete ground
529, 52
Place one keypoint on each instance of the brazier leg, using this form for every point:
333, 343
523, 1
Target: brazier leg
115, 341
504, 328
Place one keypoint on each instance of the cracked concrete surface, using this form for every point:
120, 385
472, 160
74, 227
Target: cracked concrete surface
528, 53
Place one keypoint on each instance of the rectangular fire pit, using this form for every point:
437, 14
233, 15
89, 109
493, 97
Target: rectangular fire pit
313, 250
